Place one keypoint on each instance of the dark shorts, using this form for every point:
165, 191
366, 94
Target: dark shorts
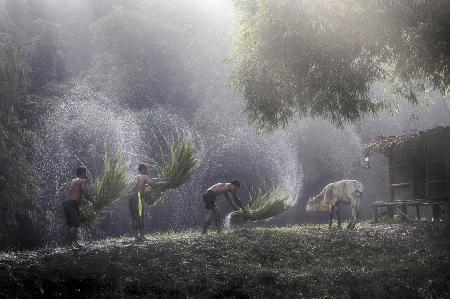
210, 200
72, 212
136, 205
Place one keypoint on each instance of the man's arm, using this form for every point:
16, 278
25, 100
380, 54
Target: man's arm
149, 182
153, 184
237, 200
84, 190
227, 196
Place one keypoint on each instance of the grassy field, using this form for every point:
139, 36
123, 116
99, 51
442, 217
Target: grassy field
299, 261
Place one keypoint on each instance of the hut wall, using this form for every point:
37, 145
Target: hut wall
421, 174
437, 169
419, 164
400, 177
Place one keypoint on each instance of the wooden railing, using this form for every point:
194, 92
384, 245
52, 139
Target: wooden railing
401, 207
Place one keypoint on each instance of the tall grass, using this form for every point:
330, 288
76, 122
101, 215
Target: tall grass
154, 195
177, 163
108, 188
263, 205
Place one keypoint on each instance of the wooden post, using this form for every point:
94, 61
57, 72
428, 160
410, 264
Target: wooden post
375, 214
447, 212
418, 212
436, 212
404, 213
447, 185
390, 210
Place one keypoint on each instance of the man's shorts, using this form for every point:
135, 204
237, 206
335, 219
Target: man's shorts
136, 205
72, 212
210, 200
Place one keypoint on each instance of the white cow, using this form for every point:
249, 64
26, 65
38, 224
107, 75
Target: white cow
345, 191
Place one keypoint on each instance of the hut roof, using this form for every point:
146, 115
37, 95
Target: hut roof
407, 143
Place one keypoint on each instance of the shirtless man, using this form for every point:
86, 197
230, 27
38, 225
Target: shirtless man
77, 188
210, 201
142, 181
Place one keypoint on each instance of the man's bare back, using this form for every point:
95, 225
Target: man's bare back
222, 188
76, 189
142, 181
225, 189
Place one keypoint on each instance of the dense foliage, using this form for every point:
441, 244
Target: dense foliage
320, 58
19, 179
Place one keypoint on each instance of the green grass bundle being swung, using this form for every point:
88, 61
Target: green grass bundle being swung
176, 166
108, 188
263, 205
153, 195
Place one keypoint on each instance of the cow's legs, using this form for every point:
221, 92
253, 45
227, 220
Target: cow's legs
338, 214
330, 213
355, 213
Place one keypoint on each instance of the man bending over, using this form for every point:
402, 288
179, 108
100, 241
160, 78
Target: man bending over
209, 197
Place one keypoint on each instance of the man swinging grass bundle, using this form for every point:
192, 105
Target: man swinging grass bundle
262, 205
176, 166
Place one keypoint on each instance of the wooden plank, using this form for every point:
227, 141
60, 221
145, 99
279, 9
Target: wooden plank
400, 185
399, 165
407, 203
437, 181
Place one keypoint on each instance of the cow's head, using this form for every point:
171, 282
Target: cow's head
316, 204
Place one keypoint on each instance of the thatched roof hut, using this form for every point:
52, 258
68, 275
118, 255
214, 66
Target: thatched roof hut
418, 164
408, 144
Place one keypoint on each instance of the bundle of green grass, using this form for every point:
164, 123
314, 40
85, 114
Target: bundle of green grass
262, 205
108, 188
177, 163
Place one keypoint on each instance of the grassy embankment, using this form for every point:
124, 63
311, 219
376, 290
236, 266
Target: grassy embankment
299, 261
